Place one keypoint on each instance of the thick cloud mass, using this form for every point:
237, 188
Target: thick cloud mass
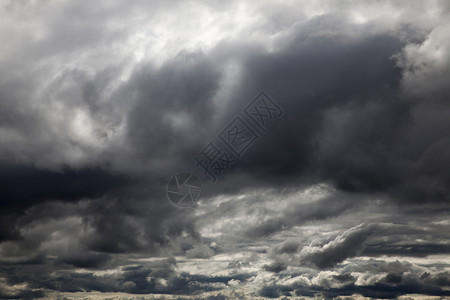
345, 194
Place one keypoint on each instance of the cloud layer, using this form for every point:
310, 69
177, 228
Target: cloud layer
346, 194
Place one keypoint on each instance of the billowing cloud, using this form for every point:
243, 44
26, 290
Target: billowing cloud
345, 194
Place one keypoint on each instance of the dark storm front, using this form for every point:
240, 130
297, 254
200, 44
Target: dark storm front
220, 154
251, 124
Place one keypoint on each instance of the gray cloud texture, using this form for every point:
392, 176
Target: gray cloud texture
346, 194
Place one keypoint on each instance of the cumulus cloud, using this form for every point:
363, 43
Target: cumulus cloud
202, 251
344, 246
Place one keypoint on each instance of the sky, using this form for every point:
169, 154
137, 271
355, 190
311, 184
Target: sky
308, 143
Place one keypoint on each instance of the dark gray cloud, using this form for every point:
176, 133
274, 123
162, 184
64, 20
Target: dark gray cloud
100, 105
275, 267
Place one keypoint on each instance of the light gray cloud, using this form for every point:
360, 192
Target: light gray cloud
344, 246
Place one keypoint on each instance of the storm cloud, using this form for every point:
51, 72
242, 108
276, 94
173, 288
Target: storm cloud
345, 193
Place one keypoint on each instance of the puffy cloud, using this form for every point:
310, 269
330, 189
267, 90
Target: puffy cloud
202, 251
344, 246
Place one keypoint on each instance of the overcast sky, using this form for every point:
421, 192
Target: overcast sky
345, 190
